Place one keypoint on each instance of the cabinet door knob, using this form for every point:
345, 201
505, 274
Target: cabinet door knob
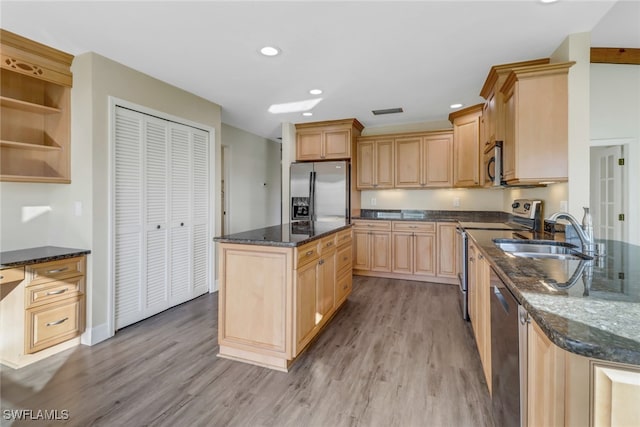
158, 227
182, 224
309, 253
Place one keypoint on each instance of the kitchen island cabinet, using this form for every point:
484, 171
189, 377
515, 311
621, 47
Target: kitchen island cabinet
279, 286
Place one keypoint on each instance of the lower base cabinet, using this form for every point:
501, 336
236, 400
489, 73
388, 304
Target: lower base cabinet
412, 250
566, 389
42, 311
274, 301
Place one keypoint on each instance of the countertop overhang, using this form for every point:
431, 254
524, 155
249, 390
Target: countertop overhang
37, 255
285, 235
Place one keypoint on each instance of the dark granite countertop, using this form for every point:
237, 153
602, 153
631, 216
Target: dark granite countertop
600, 319
431, 215
37, 255
287, 235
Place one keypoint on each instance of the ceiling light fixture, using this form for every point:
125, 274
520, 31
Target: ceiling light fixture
315, 91
548, 1
270, 51
294, 107
455, 105
307, 113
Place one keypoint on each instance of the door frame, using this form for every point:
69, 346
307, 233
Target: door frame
115, 102
628, 199
225, 161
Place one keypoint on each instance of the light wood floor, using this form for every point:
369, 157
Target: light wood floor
397, 354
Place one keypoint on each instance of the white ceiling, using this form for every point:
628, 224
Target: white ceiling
421, 55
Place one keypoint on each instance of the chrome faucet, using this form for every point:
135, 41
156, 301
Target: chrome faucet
586, 238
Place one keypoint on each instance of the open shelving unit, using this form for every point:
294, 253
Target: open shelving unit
35, 101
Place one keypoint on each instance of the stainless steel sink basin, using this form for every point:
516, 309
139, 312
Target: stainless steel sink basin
540, 249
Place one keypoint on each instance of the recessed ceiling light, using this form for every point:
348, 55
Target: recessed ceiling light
307, 113
315, 91
270, 51
548, 1
455, 105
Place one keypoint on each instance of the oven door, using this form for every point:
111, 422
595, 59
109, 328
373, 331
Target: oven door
463, 272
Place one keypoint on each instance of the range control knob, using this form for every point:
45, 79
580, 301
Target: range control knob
527, 206
515, 205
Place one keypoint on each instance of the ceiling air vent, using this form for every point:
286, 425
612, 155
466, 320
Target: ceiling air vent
387, 111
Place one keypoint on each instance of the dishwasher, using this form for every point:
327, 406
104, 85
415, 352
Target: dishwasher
508, 356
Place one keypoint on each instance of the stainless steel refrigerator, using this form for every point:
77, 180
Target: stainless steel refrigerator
320, 191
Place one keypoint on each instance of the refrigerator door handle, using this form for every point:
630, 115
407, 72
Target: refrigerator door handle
312, 196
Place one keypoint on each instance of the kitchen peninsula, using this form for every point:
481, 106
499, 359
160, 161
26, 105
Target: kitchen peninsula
279, 286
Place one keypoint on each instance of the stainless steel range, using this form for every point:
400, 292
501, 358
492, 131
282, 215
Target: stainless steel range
526, 217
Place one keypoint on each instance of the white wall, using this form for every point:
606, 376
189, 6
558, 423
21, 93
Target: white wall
254, 183
437, 199
95, 79
615, 120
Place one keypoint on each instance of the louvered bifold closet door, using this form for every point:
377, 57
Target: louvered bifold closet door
200, 211
155, 287
128, 239
181, 225
161, 196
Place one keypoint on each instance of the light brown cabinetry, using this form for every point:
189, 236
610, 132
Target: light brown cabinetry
466, 146
35, 100
413, 248
329, 140
479, 307
43, 313
447, 251
410, 250
372, 246
536, 110
492, 120
375, 163
275, 300
424, 160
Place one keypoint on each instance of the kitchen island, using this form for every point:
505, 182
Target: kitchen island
279, 287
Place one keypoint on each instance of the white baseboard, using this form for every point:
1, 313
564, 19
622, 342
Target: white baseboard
95, 335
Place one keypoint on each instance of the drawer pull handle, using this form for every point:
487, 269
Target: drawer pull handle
309, 253
369, 225
345, 258
1, 277
329, 244
57, 270
61, 291
57, 322
321, 262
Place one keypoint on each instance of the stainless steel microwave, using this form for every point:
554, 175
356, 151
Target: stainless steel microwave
492, 163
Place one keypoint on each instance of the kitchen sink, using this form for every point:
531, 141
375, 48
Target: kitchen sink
545, 249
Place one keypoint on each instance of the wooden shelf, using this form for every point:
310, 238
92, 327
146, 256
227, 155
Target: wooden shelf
27, 106
27, 146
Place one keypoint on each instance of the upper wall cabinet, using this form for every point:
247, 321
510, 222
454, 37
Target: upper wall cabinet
328, 140
466, 146
35, 99
424, 160
492, 122
536, 110
375, 163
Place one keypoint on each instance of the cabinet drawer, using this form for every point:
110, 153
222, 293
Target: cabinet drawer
56, 270
307, 253
53, 291
372, 225
414, 226
51, 324
343, 237
344, 259
327, 244
10, 275
343, 287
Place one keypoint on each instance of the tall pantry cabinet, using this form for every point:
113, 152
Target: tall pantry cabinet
161, 195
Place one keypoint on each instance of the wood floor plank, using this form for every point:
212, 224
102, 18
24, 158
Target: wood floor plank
397, 354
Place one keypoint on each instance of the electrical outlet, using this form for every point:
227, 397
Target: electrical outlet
373, 201
564, 206
456, 202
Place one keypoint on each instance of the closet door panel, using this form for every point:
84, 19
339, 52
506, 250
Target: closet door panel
156, 197
128, 239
